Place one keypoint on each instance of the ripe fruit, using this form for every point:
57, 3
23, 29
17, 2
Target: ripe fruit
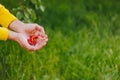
32, 40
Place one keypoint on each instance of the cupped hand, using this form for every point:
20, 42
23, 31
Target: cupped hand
27, 29
22, 39
41, 41
24, 31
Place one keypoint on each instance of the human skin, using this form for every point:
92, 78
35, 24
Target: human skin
22, 31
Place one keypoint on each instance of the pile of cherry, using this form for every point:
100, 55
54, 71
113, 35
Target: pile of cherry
32, 40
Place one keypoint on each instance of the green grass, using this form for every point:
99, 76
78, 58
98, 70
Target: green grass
81, 55
83, 45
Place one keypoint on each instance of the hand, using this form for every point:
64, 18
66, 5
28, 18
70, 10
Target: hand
27, 29
40, 41
22, 40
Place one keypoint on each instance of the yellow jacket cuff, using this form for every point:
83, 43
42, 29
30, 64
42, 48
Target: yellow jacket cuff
3, 33
5, 17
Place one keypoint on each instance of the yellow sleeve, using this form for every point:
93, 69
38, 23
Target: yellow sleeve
3, 33
5, 17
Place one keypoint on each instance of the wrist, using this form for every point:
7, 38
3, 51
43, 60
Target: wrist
16, 25
12, 35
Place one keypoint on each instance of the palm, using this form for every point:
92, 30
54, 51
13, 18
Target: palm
24, 32
22, 40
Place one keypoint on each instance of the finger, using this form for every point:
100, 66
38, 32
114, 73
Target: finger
40, 38
36, 33
42, 35
46, 40
33, 31
40, 45
40, 28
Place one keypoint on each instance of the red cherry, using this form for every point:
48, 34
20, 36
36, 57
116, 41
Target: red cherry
32, 40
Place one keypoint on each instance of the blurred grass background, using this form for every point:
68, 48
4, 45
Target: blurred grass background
84, 41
